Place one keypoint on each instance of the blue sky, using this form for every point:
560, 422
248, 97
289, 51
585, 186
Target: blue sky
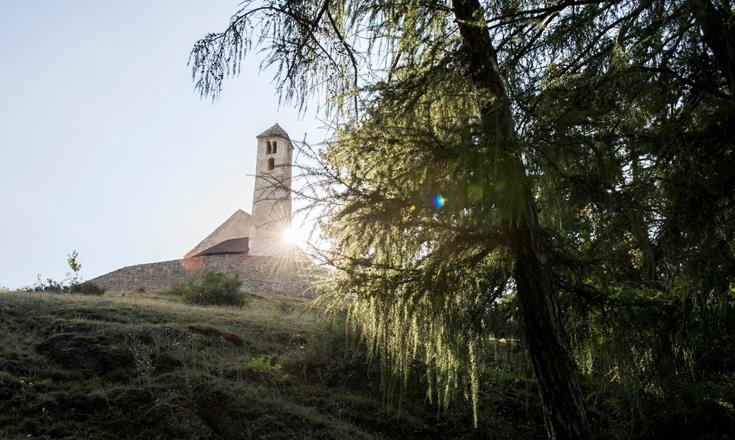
104, 145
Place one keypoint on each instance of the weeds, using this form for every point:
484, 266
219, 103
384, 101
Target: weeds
268, 371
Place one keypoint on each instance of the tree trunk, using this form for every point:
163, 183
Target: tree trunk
564, 413
715, 24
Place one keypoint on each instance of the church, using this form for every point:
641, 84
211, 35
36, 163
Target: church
262, 232
252, 246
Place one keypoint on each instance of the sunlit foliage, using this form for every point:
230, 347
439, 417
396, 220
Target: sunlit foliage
622, 115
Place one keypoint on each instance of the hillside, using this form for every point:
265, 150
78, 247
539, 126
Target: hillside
143, 366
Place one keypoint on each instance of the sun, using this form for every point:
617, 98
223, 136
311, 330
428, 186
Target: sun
295, 235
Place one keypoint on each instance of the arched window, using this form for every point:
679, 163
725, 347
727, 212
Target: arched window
275, 147
271, 163
268, 147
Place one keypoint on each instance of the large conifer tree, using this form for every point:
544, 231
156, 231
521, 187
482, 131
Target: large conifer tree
509, 150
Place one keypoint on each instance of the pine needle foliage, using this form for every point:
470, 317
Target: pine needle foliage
618, 141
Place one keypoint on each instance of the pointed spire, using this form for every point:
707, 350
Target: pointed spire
274, 131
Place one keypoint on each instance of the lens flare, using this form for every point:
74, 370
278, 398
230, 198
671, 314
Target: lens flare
439, 201
192, 264
474, 192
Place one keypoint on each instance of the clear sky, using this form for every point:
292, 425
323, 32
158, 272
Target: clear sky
104, 145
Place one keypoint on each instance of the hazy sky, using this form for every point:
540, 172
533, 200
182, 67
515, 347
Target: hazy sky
105, 147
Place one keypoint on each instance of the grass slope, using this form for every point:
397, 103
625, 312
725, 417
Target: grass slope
145, 366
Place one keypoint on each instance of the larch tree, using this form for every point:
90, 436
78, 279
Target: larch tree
494, 151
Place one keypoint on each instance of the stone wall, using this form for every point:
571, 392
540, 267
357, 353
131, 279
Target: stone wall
260, 274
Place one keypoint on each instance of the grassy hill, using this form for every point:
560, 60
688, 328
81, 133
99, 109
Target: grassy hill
146, 366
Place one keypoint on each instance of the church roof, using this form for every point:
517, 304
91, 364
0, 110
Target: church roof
237, 226
274, 131
232, 246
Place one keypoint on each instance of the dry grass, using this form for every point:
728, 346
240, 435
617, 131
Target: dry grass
148, 366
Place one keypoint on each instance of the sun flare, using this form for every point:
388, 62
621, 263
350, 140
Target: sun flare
295, 235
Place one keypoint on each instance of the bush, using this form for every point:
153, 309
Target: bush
214, 288
267, 370
50, 285
87, 288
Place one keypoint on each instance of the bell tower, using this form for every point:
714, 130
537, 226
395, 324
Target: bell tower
272, 195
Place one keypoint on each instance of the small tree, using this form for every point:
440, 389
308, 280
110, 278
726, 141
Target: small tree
73, 282
72, 260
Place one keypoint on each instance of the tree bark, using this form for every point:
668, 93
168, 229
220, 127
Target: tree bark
715, 24
564, 413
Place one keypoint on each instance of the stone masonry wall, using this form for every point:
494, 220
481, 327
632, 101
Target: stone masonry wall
260, 274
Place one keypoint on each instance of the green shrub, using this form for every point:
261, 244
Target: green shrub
213, 288
266, 369
50, 285
87, 288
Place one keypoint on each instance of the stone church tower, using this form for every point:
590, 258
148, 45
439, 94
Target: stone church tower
271, 214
